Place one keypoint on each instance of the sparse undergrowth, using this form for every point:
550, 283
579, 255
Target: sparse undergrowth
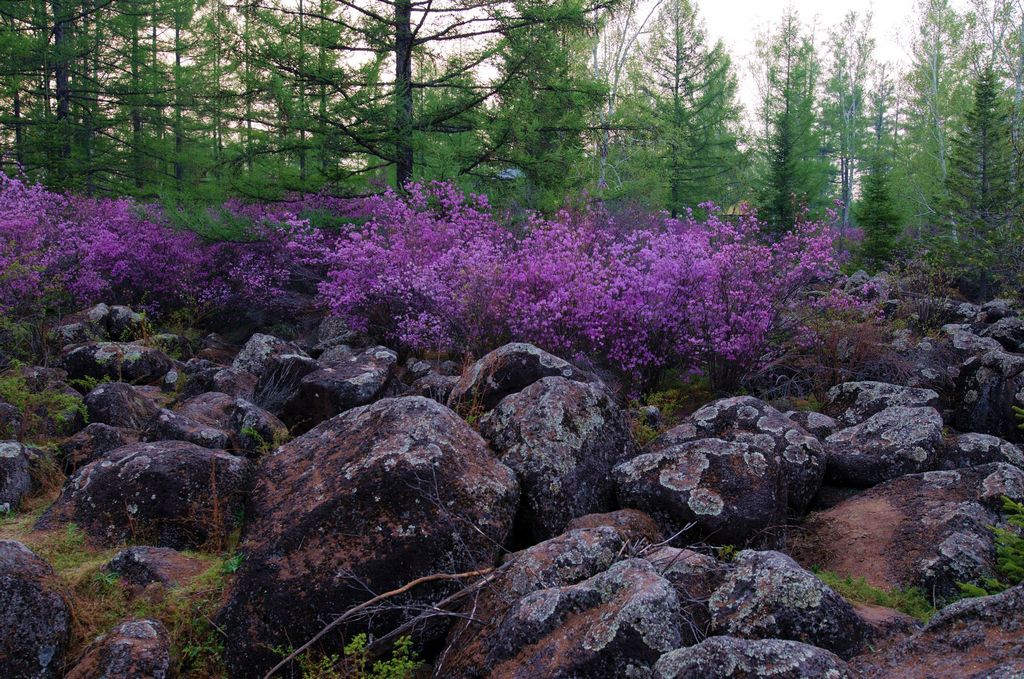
100, 600
911, 601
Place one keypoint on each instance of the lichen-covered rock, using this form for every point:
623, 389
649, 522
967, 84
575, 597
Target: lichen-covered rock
436, 386
92, 442
135, 649
896, 441
615, 624
854, 402
255, 357
814, 423
367, 501
995, 310
115, 361
35, 619
343, 384
1009, 332
236, 383
632, 524
695, 577
971, 450
332, 332
88, 325
142, 566
977, 638
989, 387
256, 431
168, 425
731, 492
170, 493
506, 370
119, 405
734, 658
562, 439
927, 530
767, 595
279, 382
124, 324
748, 420
565, 560
966, 343
15, 475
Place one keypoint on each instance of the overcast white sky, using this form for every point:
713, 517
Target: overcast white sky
738, 22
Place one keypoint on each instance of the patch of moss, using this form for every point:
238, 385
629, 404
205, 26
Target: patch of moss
38, 409
100, 600
911, 601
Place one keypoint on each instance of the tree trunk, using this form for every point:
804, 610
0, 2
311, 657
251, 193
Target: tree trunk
403, 93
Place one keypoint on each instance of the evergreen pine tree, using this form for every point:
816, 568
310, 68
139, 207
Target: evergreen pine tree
878, 216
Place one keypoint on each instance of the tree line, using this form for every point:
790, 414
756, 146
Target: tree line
529, 101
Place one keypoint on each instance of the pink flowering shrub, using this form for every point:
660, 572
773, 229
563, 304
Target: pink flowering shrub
437, 272
59, 251
431, 270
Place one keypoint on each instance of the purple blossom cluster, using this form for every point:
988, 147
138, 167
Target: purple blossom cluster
434, 270
58, 250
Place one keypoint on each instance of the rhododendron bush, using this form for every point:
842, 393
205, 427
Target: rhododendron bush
433, 270
62, 250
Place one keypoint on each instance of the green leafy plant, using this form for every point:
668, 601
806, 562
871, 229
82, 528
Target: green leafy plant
401, 665
41, 410
233, 563
1009, 554
911, 601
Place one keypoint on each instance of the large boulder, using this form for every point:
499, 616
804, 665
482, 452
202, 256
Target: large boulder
562, 439
767, 595
854, 402
279, 382
15, 475
1009, 332
255, 430
814, 423
237, 383
731, 493
119, 405
135, 649
87, 325
256, 355
928, 530
995, 310
344, 383
632, 524
170, 493
366, 502
970, 639
971, 450
35, 619
734, 658
748, 420
90, 443
896, 441
570, 558
615, 624
115, 361
168, 425
988, 389
506, 370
